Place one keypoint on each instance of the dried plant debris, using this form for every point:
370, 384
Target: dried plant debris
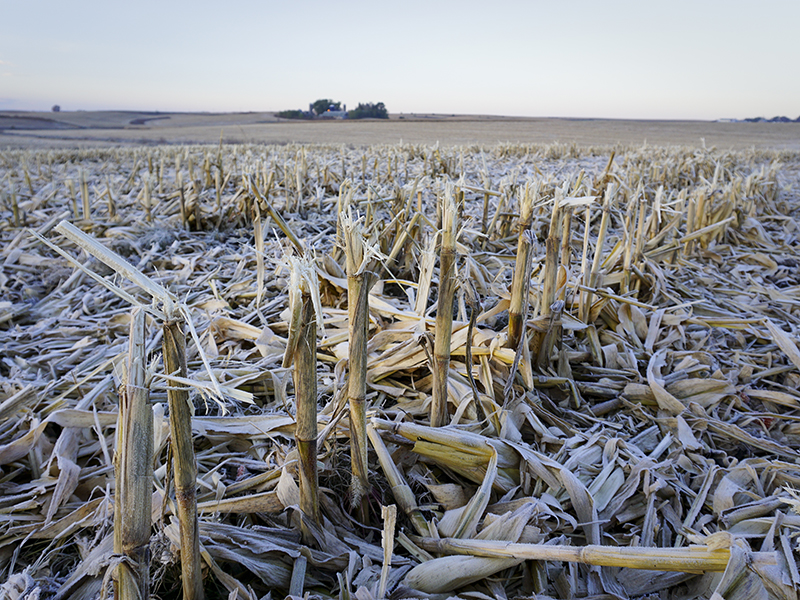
615, 415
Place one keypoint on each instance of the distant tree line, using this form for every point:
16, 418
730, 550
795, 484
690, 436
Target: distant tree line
320, 107
369, 111
294, 114
772, 120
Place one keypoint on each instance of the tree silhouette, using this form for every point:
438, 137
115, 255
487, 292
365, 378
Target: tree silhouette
369, 111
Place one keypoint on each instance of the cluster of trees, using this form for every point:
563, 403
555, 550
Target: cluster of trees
294, 114
369, 111
772, 120
362, 111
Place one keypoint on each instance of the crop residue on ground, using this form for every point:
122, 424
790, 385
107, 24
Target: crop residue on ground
616, 375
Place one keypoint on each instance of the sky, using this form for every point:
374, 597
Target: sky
640, 59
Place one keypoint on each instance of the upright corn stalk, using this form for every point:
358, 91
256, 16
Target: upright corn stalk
112, 207
73, 197
543, 340
359, 282
180, 425
629, 231
552, 257
184, 213
259, 244
305, 384
301, 350
593, 276
14, 202
518, 310
444, 310
133, 463
148, 215
87, 210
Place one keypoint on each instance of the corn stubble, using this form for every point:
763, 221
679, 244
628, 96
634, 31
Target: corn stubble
359, 281
134, 471
607, 382
301, 354
185, 463
444, 310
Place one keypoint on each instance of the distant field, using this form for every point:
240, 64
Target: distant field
113, 128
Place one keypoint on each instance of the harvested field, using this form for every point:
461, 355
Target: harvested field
511, 371
93, 129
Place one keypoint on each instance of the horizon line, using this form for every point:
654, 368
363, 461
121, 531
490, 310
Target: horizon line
414, 113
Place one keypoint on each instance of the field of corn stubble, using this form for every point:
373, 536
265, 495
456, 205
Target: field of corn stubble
399, 371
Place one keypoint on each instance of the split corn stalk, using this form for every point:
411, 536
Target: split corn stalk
549, 280
134, 472
517, 311
14, 202
74, 198
305, 383
87, 211
594, 274
301, 350
389, 514
180, 425
359, 281
259, 243
444, 311
552, 261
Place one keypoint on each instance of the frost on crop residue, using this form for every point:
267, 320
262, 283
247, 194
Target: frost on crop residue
614, 383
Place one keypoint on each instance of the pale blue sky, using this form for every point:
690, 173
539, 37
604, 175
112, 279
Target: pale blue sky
620, 59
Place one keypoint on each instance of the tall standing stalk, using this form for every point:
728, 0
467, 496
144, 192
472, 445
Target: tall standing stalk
180, 424
184, 213
305, 384
444, 311
148, 215
87, 210
690, 225
73, 197
259, 244
359, 281
133, 463
630, 225
518, 309
112, 207
14, 203
539, 349
302, 351
552, 257
343, 201
566, 239
594, 274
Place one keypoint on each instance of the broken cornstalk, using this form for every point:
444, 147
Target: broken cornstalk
444, 311
134, 472
518, 310
692, 559
180, 425
359, 282
301, 350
